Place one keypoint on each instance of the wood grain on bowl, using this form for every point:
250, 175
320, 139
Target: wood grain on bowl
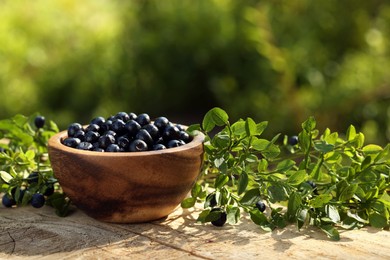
126, 187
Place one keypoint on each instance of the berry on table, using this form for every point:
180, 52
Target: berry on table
222, 217
37, 200
8, 201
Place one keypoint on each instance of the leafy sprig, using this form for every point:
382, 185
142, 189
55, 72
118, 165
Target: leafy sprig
25, 167
326, 180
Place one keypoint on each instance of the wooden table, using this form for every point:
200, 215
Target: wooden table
40, 234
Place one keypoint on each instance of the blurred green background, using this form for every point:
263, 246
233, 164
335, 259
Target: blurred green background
280, 61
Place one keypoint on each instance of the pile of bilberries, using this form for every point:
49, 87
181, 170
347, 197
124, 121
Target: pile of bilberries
126, 132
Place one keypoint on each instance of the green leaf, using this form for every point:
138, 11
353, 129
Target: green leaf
320, 200
260, 219
351, 133
302, 217
331, 138
233, 215
372, 149
213, 215
202, 216
260, 144
260, 127
348, 192
215, 116
384, 155
250, 127
316, 173
271, 151
285, 165
5, 176
242, 183
238, 128
331, 232
377, 220
332, 213
221, 180
188, 202
251, 197
309, 125
196, 190
304, 140
192, 129
297, 177
367, 176
277, 192
262, 166
323, 146
294, 204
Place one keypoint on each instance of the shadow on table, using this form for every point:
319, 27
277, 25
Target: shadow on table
34, 232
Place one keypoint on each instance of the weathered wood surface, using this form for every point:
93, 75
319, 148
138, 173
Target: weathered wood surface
40, 234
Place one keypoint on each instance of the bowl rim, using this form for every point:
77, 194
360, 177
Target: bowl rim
55, 143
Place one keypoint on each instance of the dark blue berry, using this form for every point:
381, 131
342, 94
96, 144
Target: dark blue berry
80, 135
170, 133
222, 217
92, 127
313, 186
260, 206
71, 142
153, 131
143, 119
106, 126
144, 136
118, 126
39, 121
106, 140
97, 149
132, 128
49, 190
185, 136
73, 129
293, 140
113, 148
159, 147
161, 122
8, 201
180, 127
37, 200
98, 120
33, 178
91, 136
211, 200
123, 142
138, 146
123, 116
132, 116
86, 146
174, 143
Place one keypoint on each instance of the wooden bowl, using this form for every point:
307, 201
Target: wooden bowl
126, 187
